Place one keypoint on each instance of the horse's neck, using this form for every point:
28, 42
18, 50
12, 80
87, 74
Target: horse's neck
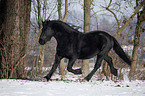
66, 34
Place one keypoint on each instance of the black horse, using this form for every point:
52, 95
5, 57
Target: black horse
73, 45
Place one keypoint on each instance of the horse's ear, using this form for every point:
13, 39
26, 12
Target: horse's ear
48, 19
42, 22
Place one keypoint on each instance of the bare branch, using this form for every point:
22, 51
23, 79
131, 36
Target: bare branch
107, 8
114, 16
66, 10
128, 21
51, 11
59, 9
110, 3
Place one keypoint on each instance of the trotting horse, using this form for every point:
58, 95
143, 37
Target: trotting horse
73, 45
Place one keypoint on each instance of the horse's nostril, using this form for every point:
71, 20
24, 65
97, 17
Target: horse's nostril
41, 41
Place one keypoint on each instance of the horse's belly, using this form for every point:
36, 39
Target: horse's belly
86, 57
88, 54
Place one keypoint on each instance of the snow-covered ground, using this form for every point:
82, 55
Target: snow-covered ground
13, 87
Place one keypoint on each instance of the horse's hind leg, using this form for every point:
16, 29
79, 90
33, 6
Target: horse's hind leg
110, 63
70, 65
53, 69
97, 65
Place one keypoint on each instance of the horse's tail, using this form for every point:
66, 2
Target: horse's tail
117, 48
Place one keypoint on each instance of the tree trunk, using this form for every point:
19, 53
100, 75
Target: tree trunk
87, 5
41, 58
14, 39
59, 9
135, 51
41, 55
62, 65
27, 26
2, 20
41, 48
138, 32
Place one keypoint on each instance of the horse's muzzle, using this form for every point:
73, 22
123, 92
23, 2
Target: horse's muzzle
41, 42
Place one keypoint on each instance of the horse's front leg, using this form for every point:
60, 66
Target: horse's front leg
54, 67
70, 65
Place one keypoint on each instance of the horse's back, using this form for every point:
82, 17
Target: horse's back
98, 32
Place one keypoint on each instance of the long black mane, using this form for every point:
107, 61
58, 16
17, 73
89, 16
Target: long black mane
74, 45
63, 26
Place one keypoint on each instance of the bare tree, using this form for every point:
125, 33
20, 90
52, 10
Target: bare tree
14, 40
127, 22
62, 18
41, 48
138, 31
122, 26
87, 16
41, 11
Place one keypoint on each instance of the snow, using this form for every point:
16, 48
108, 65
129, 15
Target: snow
13, 87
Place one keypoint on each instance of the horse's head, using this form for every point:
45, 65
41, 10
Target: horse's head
47, 32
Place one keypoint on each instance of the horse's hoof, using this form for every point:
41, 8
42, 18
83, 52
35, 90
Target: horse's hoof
115, 73
78, 71
83, 80
46, 77
86, 79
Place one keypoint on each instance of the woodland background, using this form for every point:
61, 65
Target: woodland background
20, 26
